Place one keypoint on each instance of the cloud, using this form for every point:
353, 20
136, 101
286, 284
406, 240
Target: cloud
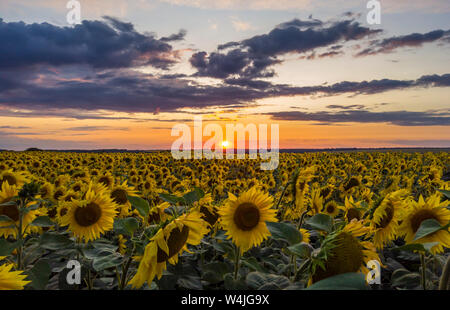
134, 92
388, 45
110, 43
175, 37
253, 57
96, 128
400, 118
389, 6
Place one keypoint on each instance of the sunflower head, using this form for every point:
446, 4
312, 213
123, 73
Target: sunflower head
423, 210
331, 208
167, 244
244, 218
343, 252
90, 217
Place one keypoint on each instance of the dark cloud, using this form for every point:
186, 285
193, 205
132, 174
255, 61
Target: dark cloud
411, 40
300, 23
252, 58
345, 107
330, 54
133, 92
175, 37
110, 43
400, 118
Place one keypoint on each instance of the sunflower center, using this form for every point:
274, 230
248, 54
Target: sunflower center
330, 208
210, 217
10, 211
351, 183
246, 216
63, 212
10, 179
175, 243
68, 198
154, 218
51, 213
353, 214
387, 218
88, 215
105, 181
147, 185
119, 196
58, 194
346, 257
419, 217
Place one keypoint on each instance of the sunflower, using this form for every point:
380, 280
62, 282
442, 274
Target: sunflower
344, 252
8, 228
167, 244
11, 280
423, 210
122, 244
331, 208
157, 214
305, 235
316, 201
352, 210
13, 178
119, 194
244, 218
106, 179
46, 190
90, 217
386, 217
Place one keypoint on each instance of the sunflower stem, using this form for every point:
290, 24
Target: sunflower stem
422, 261
300, 222
20, 239
236, 262
282, 195
445, 277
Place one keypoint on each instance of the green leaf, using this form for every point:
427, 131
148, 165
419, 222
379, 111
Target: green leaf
215, 272
40, 274
26, 209
107, 261
285, 231
172, 199
421, 247
321, 222
140, 204
193, 196
446, 193
266, 281
6, 247
232, 284
405, 279
5, 218
345, 281
302, 250
428, 227
126, 226
54, 241
252, 263
42, 221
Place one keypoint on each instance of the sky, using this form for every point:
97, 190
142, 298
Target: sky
131, 70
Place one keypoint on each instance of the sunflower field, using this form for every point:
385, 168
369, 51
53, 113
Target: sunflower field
359, 220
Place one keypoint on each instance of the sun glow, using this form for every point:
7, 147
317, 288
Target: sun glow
225, 144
